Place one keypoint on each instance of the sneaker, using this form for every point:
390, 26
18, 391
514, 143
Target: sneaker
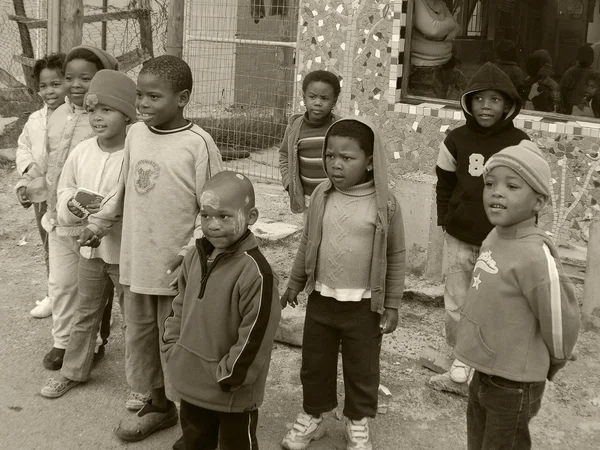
54, 359
306, 428
148, 420
357, 434
55, 389
43, 309
137, 400
460, 372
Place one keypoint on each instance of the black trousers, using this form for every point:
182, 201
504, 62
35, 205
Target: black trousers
203, 429
329, 322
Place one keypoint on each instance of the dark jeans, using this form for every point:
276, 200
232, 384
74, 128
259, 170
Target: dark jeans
499, 412
328, 322
203, 429
96, 280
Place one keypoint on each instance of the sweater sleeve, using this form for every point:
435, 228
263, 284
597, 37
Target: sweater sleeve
206, 168
396, 260
445, 170
172, 329
24, 153
259, 314
297, 279
553, 302
283, 159
67, 188
111, 211
430, 26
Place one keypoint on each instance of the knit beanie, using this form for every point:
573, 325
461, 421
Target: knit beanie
507, 50
527, 160
585, 55
113, 89
108, 61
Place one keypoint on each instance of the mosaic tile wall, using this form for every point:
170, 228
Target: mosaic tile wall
362, 41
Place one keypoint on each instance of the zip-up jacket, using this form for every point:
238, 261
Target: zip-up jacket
219, 336
521, 318
462, 155
289, 164
389, 256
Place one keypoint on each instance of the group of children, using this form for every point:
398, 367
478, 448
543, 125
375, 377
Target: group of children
169, 229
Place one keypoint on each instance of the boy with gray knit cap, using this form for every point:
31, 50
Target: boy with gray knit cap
521, 320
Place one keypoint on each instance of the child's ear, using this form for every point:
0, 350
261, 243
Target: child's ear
540, 202
370, 164
252, 216
184, 98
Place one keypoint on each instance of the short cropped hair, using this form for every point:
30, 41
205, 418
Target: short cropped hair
324, 77
171, 69
53, 61
353, 129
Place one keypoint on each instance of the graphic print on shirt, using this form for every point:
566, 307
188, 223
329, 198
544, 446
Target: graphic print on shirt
146, 174
486, 263
476, 163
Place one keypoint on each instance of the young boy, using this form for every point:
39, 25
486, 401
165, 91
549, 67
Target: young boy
592, 95
166, 161
490, 103
94, 164
49, 75
351, 263
572, 83
219, 336
521, 317
300, 161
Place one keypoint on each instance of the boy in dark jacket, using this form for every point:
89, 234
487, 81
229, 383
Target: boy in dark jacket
521, 318
218, 338
490, 103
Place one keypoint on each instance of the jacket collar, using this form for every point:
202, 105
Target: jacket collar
246, 242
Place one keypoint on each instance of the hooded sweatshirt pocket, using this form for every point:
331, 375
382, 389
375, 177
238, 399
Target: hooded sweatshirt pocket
195, 376
471, 345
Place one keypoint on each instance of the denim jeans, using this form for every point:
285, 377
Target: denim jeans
461, 261
94, 277
499, 411
328, 322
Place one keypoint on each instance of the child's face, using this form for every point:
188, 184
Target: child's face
346, 163
52, 88
319, 99
108, 123
159, 106
78, 75
508, 200
488, 107
224, 218
591, 88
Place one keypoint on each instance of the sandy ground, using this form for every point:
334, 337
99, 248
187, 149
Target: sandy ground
418, 417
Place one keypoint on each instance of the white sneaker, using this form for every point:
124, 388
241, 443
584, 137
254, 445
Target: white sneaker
357, 434
460, 372
43, 309
137, 400
306, 428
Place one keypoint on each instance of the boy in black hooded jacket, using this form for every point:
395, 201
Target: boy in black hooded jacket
490, 103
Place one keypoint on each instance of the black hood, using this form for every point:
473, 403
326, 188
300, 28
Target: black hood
490, 76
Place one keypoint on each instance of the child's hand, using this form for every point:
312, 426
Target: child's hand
94, 207
290, 297
87, 238
22, 197
75, 210
388, 321
172, 268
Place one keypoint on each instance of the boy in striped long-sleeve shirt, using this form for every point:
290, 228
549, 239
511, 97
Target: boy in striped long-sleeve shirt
219, 336
521, 320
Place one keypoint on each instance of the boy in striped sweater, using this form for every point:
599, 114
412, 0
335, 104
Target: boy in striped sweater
520, 321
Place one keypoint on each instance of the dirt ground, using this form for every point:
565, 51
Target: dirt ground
417, 418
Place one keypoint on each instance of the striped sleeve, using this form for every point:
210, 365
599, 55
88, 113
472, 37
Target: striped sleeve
555, 305
260, 316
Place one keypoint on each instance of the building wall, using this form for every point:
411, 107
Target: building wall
359, 40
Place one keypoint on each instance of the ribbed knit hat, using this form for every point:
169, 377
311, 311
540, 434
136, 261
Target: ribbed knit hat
113, 89
528, 161
108, 61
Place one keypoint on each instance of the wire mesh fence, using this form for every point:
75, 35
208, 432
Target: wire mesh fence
242, 56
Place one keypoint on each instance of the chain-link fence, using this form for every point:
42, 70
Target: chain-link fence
242, 56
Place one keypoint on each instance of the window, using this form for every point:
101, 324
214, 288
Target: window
550, 49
